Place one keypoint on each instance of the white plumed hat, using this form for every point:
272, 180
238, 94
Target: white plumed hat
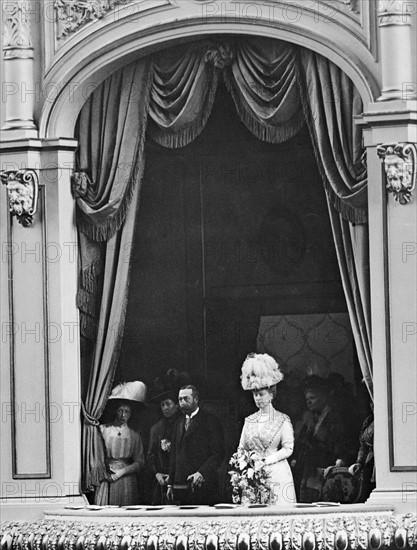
129, 391
260, 370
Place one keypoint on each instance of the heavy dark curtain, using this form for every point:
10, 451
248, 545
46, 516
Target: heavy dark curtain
276, 87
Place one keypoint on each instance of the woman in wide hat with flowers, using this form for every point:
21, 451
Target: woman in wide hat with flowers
267, 436
124, 448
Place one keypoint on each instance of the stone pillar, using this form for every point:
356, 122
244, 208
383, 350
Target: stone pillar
390, 133
18, 80
40, 375
394, 21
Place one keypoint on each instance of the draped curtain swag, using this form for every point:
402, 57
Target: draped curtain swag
168, 97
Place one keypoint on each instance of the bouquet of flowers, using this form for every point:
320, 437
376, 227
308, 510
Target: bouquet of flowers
249, 478
166, 445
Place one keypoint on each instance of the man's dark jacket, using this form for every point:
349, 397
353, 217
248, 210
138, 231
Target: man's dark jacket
199, 449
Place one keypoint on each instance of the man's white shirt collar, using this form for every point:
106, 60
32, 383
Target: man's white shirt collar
194, 413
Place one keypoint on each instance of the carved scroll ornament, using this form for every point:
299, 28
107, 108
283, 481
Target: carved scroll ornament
22, 187
400, 169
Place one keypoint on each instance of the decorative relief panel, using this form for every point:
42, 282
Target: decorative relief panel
71, 15
394, 12
17, 40
356, 532
22, 187
400, 169
353, 5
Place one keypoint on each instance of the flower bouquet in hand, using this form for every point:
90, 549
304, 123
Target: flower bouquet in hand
249, 478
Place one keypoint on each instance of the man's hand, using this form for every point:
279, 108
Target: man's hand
355, 468
195, 479
170, 493
162, 479
327, 471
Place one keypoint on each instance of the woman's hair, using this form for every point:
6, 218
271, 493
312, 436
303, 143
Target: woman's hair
123, 403
272, 390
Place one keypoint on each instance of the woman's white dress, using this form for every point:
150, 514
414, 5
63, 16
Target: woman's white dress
123, 447
272, 436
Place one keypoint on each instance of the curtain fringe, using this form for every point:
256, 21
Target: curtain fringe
348, 212
184, 137
105, 231
264, 132
90, 275
88, 327
87, 302
93, 477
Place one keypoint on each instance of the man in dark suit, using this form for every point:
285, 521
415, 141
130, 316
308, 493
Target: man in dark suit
197, 452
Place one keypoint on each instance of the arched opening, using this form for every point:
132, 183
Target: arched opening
234, 254
202, 296
76, 76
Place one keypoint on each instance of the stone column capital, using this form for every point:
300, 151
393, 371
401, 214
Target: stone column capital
394, 12
17, 39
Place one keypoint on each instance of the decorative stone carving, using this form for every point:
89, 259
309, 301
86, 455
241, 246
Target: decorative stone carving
394, 12
17, 40
22, 186
352, 4
400, 168
259, 533
73, 14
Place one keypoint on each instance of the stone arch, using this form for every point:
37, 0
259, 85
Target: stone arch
75, 80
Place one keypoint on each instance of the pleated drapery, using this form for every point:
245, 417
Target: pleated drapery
183, 91
276, 87
330, 102
264, 86
111, 133
352, 250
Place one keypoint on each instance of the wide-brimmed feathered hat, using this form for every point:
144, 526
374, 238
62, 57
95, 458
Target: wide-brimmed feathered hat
260, 370
130, 393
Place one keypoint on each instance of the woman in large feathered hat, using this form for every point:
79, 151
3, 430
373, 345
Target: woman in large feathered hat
124, 448
268, 432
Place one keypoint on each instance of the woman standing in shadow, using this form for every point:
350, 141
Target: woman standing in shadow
322, 441
124, 448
